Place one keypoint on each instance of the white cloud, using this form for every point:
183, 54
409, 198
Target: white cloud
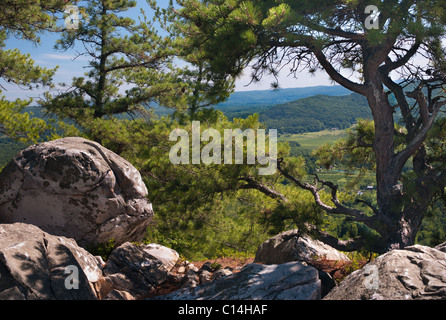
63, 57
304, 79
55, 56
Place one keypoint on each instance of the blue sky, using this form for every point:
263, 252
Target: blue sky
46, 56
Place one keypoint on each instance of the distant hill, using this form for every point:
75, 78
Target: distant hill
241, 104
273, 97
316, 113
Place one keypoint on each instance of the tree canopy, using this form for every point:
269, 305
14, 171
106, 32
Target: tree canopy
122, 53
25, 20
374, 54
394, 57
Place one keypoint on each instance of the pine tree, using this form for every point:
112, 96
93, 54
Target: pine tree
129, 66
201, 90
377, 42
24, 20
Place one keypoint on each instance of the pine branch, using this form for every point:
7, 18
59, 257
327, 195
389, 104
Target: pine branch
355, 214
252, 184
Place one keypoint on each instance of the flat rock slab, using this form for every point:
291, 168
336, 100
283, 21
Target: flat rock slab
288, 281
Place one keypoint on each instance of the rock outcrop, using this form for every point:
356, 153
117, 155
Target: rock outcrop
414, 273
35, 265
138, 270
75, 188
441, 247
288, 281
290, 246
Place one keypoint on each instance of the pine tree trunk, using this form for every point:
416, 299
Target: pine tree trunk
397, 232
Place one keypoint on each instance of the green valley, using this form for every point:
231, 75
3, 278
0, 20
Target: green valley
317, 113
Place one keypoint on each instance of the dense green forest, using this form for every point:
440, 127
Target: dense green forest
232, 233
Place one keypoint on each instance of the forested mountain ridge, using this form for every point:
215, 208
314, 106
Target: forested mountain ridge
282, 95
242, 104
316, 113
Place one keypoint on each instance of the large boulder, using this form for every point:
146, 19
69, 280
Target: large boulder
76, 188
414, 273
291, 246
288, 281
35, 265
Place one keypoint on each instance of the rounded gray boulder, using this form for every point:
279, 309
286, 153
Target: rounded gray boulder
413, 273
75, 188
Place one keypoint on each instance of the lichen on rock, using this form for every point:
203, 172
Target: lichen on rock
76, 188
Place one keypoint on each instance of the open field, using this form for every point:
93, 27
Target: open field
314, 139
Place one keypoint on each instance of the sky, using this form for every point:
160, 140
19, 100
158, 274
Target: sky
45, 55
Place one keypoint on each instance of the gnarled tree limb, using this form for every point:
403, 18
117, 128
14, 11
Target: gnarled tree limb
253, 184
337, 209
428, 120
